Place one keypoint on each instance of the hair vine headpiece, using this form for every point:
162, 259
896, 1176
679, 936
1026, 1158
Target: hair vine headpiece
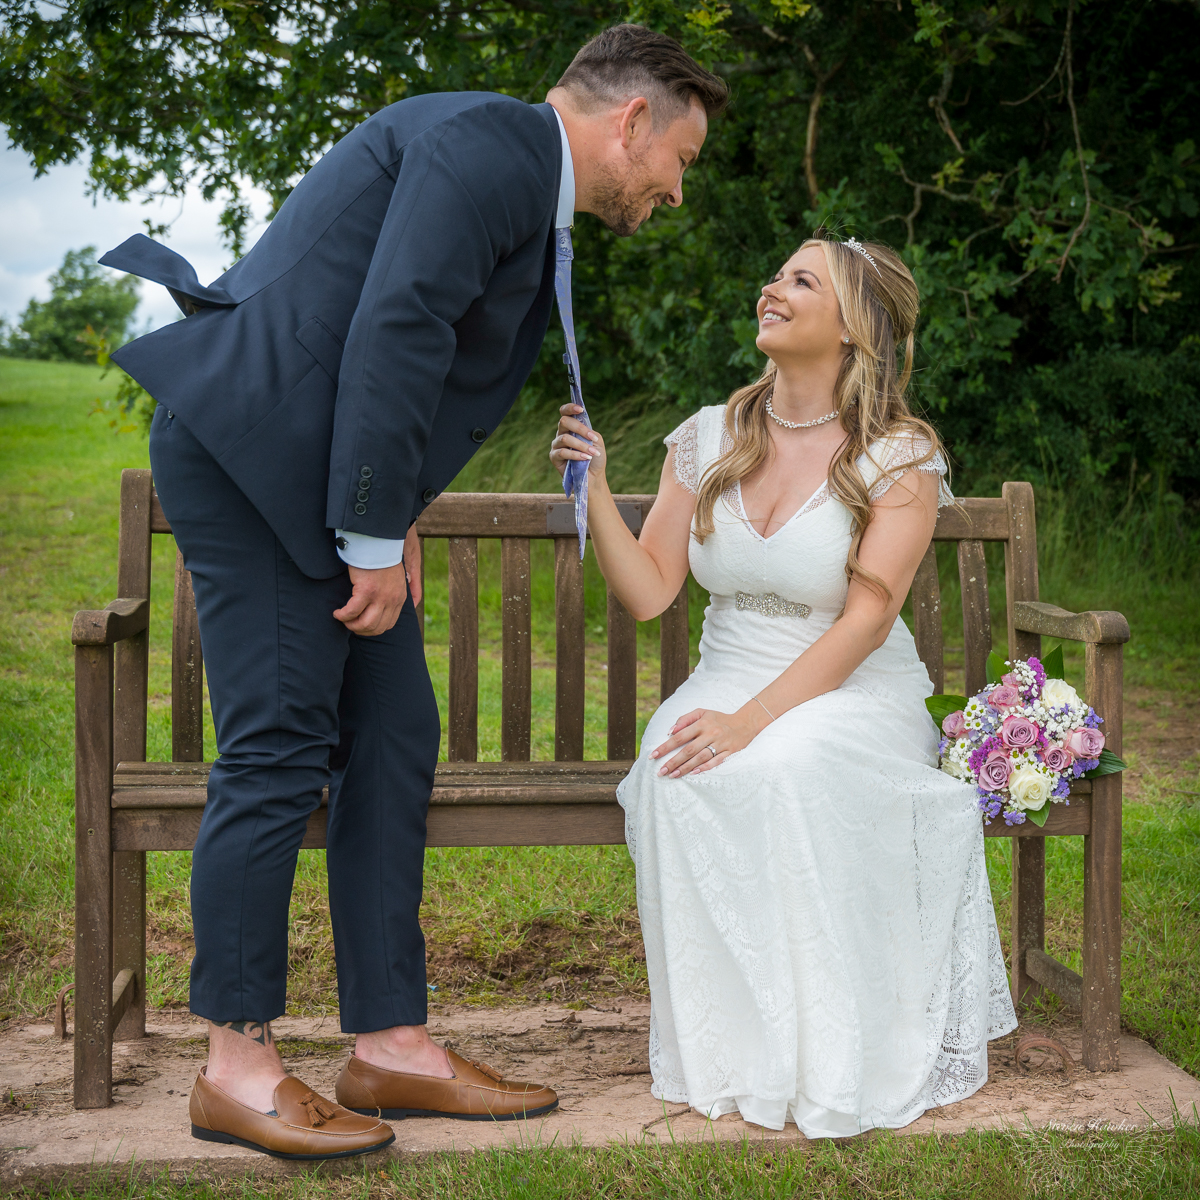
854, 244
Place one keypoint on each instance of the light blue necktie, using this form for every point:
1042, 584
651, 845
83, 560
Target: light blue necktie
575, 478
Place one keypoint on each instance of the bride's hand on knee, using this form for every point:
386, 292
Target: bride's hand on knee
703, 739
575, 442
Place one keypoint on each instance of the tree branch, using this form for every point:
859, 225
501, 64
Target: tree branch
938, 104
821, 78
1087, 191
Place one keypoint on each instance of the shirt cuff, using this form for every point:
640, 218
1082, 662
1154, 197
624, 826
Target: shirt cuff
368, 553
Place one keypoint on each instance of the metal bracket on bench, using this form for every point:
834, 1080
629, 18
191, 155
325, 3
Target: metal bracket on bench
1055, 977
560, 518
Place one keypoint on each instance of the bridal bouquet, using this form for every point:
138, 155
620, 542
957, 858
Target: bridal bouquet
1022, 740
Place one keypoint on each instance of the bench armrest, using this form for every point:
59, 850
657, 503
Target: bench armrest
1101, 628
120, 620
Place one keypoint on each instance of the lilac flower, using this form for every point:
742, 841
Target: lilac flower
1014, 818
1039, 672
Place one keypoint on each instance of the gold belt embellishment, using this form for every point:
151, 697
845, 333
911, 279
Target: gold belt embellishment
771, 605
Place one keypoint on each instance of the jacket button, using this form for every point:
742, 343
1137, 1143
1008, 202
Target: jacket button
430, 496
478, 435
364, 482
361, 509
366, 472
363, 497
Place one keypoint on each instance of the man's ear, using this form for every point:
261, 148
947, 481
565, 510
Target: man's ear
634, 121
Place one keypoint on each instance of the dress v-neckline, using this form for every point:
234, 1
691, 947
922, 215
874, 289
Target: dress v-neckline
798, 513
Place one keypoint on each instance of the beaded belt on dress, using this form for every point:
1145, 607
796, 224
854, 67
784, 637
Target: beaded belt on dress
771, 605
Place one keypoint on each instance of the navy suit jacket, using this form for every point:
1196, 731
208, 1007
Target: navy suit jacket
345, 370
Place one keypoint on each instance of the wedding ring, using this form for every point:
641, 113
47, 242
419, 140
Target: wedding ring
713, 750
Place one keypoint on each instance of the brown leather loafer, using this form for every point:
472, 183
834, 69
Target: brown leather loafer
306, 1126
476, 1093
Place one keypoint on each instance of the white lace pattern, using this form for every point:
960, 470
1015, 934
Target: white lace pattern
819, 932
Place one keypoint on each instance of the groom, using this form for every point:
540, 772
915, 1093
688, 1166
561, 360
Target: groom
317, 398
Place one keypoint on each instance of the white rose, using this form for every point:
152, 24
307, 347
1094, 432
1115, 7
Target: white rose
1029, 788
953, 768
1058, 692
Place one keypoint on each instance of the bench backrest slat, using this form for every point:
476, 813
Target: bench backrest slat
515, 519
622, 680
463, 607
927, 618
1020, 564
977, 618
568, 651
516, 617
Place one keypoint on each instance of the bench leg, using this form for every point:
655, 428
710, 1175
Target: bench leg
93, 875
129, 936
1102, 929
1028, 913
1102, 874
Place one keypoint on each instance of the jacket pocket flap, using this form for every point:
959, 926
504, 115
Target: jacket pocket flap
320, 341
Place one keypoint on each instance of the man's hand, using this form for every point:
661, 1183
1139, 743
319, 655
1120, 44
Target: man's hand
374, 605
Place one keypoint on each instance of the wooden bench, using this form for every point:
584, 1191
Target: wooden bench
126, 806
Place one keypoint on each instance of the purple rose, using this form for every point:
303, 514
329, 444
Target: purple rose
1004, 696
1085, 743
1020, 733
1057, 758
993, 775
954, 725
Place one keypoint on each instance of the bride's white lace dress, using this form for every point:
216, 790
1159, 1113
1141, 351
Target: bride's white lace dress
820, 939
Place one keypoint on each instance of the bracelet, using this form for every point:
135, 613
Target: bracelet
763, 707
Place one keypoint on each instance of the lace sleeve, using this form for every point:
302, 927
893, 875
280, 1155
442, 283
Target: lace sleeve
904, 452
686, 442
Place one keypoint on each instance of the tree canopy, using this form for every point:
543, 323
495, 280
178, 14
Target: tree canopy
83, 297
1033, 160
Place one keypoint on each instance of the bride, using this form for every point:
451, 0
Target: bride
820, 940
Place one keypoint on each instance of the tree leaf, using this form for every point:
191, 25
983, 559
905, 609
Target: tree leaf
1053, 664
1109, 764
940, 707
1038, 815
995, 666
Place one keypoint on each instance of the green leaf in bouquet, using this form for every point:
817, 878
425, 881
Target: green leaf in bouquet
995, 666
1053, 664
1038, 815
940, 707
1109, 764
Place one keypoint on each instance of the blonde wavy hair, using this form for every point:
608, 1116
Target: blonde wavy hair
879, 310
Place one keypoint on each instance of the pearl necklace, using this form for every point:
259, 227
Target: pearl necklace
798, 424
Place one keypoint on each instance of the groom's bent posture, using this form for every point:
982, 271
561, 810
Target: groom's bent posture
317, 398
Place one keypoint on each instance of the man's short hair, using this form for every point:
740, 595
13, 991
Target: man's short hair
630, 60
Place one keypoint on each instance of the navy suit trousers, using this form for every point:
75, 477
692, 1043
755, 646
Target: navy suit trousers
299, 703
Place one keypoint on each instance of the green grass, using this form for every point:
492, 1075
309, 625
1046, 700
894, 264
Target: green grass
1045, 1165
499, 921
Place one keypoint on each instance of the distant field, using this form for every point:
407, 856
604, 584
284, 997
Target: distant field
502, 921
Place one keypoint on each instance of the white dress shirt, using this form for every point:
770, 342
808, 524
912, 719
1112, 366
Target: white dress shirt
373, 553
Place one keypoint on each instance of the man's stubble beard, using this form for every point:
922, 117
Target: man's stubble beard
620, 203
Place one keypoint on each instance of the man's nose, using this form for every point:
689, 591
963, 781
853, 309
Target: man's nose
675, 195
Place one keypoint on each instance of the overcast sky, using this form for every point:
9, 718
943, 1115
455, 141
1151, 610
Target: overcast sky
41, 219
